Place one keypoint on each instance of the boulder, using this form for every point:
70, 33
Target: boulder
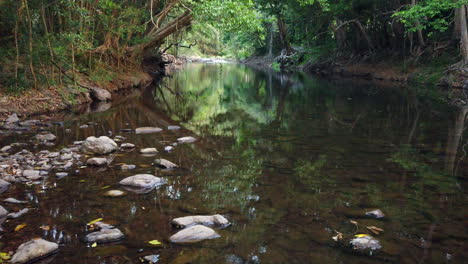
147, 130
46, 137
99, 162
165, 164
194, 234
104, 236
148, 151
144, 181
32, 250
186, 140
101, 145
61, 174
100, 94
207, 220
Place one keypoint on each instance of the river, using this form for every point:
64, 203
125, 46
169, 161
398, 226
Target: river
288, 159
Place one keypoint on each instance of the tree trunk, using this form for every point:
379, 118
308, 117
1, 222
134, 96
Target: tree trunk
463, 34
284, 36
420, 34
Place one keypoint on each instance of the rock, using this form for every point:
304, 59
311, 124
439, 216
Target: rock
18, 214
101, 145
365, 244
14, 201
147, 130
127, 145
194, 234
376, 214
152, 258
145, 181
114, 193
165, 164
84, 126
12, 119
101, 225
148, 151
78, 143
100, 94
186, 140
32, 174
127, 167
6, 149
61, 174
32, 250
168, 148
97, 162
53, 155
4, 185
104, 236
207, 220
173, 127
3, 212
46, 137
67, 156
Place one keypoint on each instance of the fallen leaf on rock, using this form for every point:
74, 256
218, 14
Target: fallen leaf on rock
95, 221
94, 245
19, 227
361, 235
155, 242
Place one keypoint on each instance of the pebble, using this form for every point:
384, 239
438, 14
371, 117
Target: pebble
186, 139
194, 234
114, 193
148, 151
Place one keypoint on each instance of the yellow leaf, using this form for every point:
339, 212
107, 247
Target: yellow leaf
19, 227
155, 242
82, 180
361, 235
95, 221
4, 256
94, 245
105, 187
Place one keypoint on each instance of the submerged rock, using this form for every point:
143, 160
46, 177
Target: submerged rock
114, 193
365, 244
127, 146
145, 181
4, 185
101, 145
105, 235
147, 130
376, 214
186, 140
32, 250
18, 214
100, 94
97, 162
148, 151
194, 234
207, 220
46, 137
165, 164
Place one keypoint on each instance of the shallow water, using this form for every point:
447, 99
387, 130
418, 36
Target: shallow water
288, 159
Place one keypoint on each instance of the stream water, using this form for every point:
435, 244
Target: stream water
288, 159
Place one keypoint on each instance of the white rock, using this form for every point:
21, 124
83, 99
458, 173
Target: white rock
100, 94
163, 163
34, 249
46, 137
32, 174
186, 139
104, 236
148, 151
114, 193
207, 220
101, 145
142, 181
194, 234
127, 145
147, 130
97, 162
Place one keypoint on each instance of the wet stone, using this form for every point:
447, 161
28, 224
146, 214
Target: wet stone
114, 193
207, 220
99, 162
165, 164
6, 149
3, 212
18, 214
151, 258
84, 126
365, 244
194, 234
148, 130
186, 140
173, 127
378, 214
101, 145
127, 167
13, 118
142, 181
61, 174
104, 236
148, 151
14, 201
100, 94
168, 148
4, 185
46, 137
32, 250
127, 146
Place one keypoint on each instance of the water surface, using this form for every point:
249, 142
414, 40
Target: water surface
288, 159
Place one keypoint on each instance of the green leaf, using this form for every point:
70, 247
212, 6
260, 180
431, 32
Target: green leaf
155, 242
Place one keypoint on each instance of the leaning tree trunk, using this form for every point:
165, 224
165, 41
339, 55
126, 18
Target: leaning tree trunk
463, 33
284, 36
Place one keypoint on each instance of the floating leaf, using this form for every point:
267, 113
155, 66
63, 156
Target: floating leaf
361, 235
45, 228
105, 187
94, 245
19, 227
95, 221
155, 242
